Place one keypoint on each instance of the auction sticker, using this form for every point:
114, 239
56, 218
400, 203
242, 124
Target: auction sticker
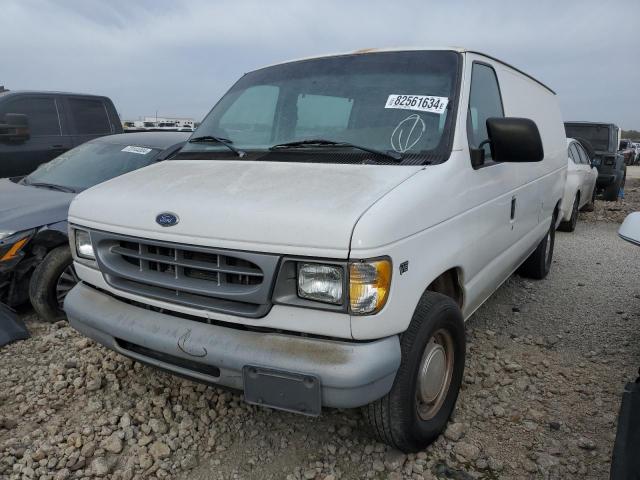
421, 103
138, 150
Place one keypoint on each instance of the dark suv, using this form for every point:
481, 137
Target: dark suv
603, 137
38, 126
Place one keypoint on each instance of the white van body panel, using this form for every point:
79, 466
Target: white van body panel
451, 216
438, 218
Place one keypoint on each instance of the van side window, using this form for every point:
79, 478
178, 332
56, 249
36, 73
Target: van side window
484, 102
249, 119
90, 116
41, 112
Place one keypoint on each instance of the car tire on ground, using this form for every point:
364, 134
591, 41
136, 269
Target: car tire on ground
538, 264
50, 282
611, 192
570, 226
425, 390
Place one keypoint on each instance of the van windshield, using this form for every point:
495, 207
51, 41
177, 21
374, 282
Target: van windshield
398, 102
597, 135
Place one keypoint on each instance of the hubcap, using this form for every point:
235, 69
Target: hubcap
434, 374
66, 281
547, 250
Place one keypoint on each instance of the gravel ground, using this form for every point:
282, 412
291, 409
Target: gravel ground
546, 366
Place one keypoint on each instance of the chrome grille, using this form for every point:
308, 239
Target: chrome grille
220, 280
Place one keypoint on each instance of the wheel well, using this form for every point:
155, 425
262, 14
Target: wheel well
448, 283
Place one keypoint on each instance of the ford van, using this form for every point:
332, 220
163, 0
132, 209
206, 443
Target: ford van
323, 236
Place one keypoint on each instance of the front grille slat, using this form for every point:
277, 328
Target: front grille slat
125, 252
211, 278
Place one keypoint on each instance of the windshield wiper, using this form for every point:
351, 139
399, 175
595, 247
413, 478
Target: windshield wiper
52, 186
224, 141
321, 142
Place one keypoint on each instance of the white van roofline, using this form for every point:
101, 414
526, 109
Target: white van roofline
403, 49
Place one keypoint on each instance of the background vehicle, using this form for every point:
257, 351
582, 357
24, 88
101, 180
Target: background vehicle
580, 189
603, 137
34, 246
315, 178
628, 151
38, 126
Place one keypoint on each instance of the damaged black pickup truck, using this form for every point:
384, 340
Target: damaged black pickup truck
35, 261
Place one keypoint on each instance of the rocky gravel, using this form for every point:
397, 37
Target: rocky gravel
545, 370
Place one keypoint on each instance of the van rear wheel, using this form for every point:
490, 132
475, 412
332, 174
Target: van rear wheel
538, 264
425, 390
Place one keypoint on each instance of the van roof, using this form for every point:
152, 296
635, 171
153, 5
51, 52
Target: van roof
404, 49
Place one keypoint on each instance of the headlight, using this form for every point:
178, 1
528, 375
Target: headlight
322, 283
5, 234
84, 248
12, 244
369, 283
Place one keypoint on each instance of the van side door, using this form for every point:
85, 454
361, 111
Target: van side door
46, 134
88, 118
496, 206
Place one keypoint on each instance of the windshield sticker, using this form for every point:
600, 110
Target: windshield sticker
422, 103
138, 150
407, 133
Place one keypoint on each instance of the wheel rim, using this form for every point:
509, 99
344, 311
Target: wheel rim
434, 374
547, 248
66, 281
574, 212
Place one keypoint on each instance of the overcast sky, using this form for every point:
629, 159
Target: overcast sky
178, 57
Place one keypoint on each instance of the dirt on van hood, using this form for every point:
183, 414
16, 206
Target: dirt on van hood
296, 208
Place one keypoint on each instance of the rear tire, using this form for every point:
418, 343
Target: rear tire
570, 226
591, 206
538, 264
611, 193
50, 282
425, 390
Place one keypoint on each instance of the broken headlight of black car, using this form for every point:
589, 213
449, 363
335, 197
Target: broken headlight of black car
12, 244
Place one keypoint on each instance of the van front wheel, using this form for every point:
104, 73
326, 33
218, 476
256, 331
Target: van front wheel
425, 390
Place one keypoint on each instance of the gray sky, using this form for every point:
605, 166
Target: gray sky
179, 57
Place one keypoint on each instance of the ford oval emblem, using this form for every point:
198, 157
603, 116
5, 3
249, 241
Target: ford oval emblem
167, 219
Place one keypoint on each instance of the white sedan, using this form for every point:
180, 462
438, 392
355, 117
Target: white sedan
580, 189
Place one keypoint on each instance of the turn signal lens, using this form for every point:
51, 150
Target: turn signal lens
369, 283
14, 250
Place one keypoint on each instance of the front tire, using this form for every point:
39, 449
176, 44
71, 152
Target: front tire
570, 226
50, 283
425, 390
538, 264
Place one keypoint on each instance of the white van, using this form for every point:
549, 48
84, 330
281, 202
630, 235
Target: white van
327, 230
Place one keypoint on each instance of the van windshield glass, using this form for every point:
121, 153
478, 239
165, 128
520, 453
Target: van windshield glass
597, 135
388, 101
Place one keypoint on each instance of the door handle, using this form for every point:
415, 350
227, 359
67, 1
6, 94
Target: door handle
513, 208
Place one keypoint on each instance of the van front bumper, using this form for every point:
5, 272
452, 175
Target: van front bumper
350, 374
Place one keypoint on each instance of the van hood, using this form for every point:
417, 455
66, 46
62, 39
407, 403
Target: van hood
23, 207
293, 208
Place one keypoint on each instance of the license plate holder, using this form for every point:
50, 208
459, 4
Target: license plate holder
288, 391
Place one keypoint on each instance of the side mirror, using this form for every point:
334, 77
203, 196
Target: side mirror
630, 228
514, 140
15, 128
